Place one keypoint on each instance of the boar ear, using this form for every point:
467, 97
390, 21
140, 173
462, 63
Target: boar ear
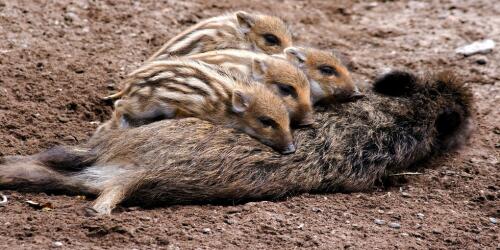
245, 20
295, 55
240, 101
396, 83
259, 69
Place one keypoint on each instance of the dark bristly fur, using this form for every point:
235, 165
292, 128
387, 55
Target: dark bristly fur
191, 160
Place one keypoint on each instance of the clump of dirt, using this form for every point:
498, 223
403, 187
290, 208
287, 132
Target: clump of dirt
58, 58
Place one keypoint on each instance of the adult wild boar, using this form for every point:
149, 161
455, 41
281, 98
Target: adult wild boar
406, 119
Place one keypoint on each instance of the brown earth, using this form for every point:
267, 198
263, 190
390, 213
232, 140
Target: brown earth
57, 58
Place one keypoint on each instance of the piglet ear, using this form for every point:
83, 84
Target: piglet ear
259, 69
245, 20
396, 83
296, 55
240, 101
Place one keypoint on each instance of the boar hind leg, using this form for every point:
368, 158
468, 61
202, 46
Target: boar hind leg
108, 199
113, 193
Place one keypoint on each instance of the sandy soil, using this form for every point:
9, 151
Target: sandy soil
57, 58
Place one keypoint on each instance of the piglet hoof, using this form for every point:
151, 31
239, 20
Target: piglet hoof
92, 212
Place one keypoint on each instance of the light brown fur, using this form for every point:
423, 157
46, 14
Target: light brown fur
183, 88
239, 30
279, 75
337, 86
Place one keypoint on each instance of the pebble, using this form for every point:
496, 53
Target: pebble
69, 138
405, 194
394, 225
71, 17
57, 244
477, 47
493, 220
63, 119
379, 222
234, 210
420, 216
301, 226
230, 221
317, 210
404, 234
481, 61
206, 230
3, 200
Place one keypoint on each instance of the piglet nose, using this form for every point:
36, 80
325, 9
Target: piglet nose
290, 148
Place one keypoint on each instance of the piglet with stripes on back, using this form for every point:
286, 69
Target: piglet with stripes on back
239, 30
179, 88
278, 74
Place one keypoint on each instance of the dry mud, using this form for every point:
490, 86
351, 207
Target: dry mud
57, 58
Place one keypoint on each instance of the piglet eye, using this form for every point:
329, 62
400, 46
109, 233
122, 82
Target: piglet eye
287, 90
328, 70
267, 121
271, 40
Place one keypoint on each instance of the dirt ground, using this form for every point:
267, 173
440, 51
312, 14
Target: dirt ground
57, 58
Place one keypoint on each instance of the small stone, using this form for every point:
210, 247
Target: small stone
69, 138
317, 210
63, 119
474, 160
380, 211
394, 225
496, 130
111, 85
437, 231
301, 226
230, 221
206, 230
162, 241
3, 200
233, 210
70, 17
379, 222
405, 194
404, 234
481, 47
493, 220
481, 61
145, 218
356, 226
420, 216
57, 244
